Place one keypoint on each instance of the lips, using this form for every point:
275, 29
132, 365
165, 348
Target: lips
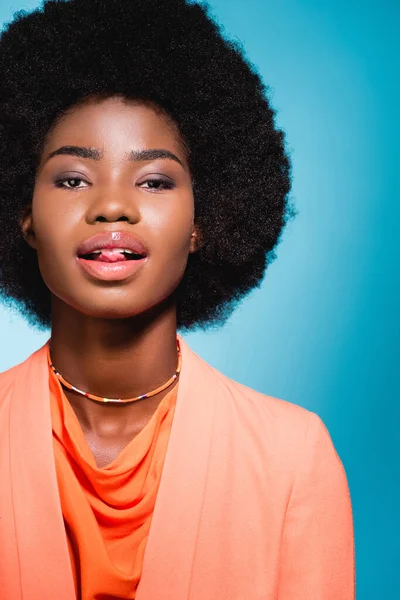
112, 246
111, 256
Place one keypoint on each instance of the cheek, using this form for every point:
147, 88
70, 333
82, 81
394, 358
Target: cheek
170, 229
52, 224
54, 219
169, 235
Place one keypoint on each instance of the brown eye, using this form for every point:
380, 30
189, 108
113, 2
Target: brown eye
73, 183
157, 185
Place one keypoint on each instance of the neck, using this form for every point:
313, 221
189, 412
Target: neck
113, 358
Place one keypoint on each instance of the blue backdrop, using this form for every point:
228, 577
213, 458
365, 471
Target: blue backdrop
323, 330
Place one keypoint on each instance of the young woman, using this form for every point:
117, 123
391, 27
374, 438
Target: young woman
144, 187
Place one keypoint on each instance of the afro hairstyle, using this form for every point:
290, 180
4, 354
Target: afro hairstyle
174, 54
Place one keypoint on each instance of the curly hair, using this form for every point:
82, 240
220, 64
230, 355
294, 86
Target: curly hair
174, 54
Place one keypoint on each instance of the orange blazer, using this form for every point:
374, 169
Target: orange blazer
253, 502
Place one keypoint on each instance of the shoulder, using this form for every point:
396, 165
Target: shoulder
234, 396
264, 408
287, 429
249, 412
10, 375
7, 379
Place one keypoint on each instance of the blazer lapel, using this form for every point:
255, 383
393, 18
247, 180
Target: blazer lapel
171, 544
40, 534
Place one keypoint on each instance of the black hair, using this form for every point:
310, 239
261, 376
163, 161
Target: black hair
174, 54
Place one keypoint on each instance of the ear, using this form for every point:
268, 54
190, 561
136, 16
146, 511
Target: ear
195, 240
26, 223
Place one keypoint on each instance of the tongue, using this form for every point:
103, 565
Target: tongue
110, 256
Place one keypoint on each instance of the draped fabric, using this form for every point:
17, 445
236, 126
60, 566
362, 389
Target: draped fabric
107, 511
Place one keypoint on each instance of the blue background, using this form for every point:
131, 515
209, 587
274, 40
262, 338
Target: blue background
323, 330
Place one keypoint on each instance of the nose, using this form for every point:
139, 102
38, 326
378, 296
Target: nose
110, 205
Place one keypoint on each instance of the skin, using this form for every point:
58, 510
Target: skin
100, 328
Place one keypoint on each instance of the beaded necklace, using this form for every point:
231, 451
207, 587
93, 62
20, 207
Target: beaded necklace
119, 400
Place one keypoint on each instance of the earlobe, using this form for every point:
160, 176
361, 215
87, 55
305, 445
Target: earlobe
26, 224
195, 240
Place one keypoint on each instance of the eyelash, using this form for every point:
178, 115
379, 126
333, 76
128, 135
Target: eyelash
164, 184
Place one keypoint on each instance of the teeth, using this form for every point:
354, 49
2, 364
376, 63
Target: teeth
114, 250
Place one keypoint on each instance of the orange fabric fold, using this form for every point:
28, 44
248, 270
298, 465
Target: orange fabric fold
107, 511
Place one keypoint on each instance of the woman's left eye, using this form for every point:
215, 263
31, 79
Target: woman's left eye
157, 184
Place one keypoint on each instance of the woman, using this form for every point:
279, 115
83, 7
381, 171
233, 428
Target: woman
144, 189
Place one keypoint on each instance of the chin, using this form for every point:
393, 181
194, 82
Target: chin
114, 304
111, 311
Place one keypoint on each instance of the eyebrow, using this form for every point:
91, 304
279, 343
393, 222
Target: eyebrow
95, 154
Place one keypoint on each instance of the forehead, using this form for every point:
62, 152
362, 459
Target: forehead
116, 124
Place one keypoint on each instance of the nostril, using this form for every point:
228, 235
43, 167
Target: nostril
102, 219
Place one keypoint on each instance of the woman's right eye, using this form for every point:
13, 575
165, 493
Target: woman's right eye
60, 183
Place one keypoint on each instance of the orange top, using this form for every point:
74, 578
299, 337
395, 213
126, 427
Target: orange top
107, 511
